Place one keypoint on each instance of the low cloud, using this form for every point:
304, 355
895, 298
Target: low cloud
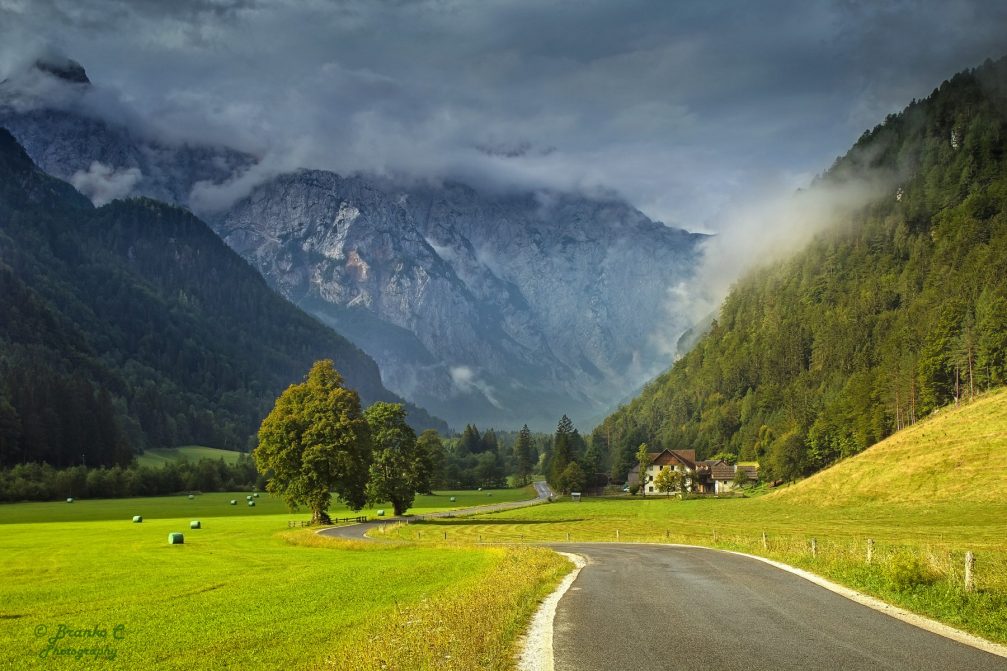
678, 108
467, 381
103, 183
773, 225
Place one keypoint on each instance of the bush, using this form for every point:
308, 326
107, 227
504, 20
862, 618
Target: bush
634, 489
908, 570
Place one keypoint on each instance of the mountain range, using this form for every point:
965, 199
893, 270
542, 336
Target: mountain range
132, 325
499, 308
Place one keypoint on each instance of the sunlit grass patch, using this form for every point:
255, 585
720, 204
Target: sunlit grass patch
247, 591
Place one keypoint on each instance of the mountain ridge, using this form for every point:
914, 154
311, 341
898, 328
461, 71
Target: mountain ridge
136, 316
896, 310
499, 309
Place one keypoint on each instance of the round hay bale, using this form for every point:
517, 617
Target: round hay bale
248, 498
191, 497
453, 499
256, 494
138, 518
381, 512
489, 493
251, 504
69, 499
194, 524
233, 502
175, 538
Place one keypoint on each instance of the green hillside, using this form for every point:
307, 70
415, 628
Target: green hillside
956, 456
134, 326
168, 455
891, 314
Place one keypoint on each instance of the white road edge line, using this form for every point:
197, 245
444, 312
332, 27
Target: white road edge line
933, 626
537, 653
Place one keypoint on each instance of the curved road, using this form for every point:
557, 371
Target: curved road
666, 607
359, 531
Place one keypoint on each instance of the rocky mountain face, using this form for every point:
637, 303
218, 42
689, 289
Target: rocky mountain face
494, 308
498, 309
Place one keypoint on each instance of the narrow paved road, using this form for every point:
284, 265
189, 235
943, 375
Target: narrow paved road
660, 607
359, 531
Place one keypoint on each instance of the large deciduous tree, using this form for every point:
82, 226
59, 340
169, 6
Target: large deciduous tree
399, 470
314, 442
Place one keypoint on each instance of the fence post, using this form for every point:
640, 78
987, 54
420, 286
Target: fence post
765, 542
667, 534
616, 534
568, 536
970, 567
814, 547
870, 550
714, 535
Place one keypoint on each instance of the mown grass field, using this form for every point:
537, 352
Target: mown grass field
160, 456
217, 504
245, 592
925, 496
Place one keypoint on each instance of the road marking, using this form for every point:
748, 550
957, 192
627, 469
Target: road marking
537, 652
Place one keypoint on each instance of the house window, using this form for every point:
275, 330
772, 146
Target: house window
650, 478
650, 489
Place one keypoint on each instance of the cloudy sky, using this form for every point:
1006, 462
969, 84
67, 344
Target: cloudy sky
685, 108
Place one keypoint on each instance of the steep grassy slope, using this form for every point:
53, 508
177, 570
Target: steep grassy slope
956, 456
898, 309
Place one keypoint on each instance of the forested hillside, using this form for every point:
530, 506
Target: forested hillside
133, 325
886, 317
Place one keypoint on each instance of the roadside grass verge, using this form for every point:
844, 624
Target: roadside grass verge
917, 563
244, 591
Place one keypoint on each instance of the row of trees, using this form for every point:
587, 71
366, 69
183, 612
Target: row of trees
43, 482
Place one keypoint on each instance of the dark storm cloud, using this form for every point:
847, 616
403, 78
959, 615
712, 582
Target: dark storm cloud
685, 108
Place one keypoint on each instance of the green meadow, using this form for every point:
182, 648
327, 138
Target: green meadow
245, 591
166, 455
925, 496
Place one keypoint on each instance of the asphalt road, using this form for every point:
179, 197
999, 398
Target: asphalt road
661, 607
359, 531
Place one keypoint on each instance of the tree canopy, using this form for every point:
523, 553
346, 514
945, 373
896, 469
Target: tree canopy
399, 469
315, 441
896, 309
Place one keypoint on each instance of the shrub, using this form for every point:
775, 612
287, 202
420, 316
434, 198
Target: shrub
909, 570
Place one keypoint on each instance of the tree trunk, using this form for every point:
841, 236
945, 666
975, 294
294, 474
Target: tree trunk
399, 508
320, 517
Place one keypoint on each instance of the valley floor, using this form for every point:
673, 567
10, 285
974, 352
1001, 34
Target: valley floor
246, 591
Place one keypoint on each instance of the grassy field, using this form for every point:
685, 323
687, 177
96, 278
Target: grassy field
164, 455
217, 504
244, 591
925, 496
